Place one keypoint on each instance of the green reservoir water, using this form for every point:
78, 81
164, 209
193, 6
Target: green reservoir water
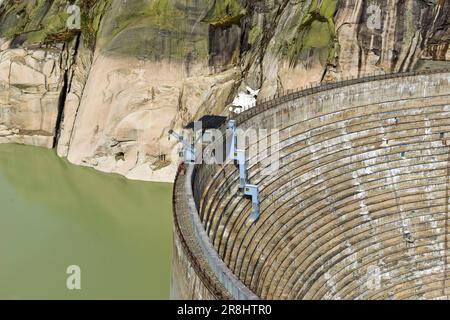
54, 215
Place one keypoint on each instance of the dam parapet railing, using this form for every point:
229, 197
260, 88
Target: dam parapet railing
184, 237
220, 281
196, 176
293, 94
233, 285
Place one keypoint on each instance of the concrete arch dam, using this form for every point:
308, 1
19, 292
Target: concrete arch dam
358, 208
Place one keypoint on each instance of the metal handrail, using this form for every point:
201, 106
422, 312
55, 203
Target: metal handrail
290, 95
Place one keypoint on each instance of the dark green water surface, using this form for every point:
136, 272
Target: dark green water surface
54, 214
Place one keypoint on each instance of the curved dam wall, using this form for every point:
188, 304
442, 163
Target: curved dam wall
358, 208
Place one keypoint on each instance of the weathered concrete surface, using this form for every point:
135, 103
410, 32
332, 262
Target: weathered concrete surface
359, 206
198, 272
192, 278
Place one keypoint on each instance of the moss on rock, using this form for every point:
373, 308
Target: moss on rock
315, 32
156, 30
254, 34
45, 21
225, 13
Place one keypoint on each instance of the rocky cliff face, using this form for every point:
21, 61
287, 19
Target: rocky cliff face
150, 73
30, 88
106, 95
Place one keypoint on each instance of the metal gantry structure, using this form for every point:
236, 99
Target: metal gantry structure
237, 155
189, 153
248, 189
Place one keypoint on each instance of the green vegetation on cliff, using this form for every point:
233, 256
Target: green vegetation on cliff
156, 30
160, 14
254, 34
45, 21
225, 13
92, 13
316, 31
